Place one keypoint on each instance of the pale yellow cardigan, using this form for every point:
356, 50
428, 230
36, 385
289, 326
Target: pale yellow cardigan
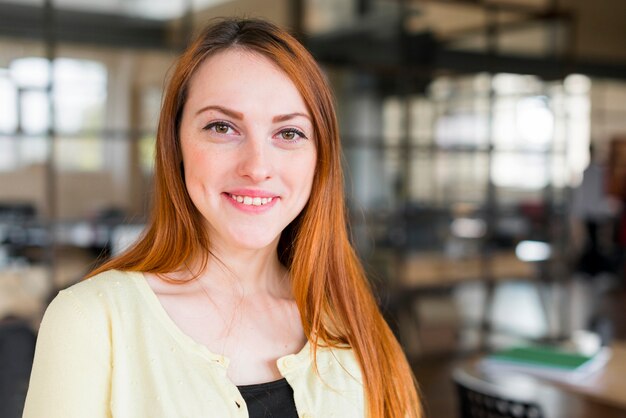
107, 348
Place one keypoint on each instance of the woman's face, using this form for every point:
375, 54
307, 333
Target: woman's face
248, 149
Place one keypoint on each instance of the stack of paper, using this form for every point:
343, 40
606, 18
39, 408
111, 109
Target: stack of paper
547, 362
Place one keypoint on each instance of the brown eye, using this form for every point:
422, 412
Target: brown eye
291, 135
221, 128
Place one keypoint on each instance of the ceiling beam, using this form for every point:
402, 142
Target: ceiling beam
24, 21
547, 68
421, 53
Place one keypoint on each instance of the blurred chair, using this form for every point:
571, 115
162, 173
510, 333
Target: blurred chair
480, 399
17, 349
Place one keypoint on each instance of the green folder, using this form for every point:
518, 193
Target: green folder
545, 361
543, 356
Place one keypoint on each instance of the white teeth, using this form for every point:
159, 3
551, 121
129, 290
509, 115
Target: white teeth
254, 201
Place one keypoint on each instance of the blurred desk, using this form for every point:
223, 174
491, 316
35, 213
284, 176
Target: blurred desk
601, 395
609, 384
422, 276
23, 291
429, 269
423, 283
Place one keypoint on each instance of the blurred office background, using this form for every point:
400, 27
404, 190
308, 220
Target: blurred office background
466, 127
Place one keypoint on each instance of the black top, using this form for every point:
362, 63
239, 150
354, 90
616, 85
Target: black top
269, 400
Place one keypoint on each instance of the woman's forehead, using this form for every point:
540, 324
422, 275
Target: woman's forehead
240, 77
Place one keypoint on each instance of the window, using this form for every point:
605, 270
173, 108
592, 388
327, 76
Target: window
78, 102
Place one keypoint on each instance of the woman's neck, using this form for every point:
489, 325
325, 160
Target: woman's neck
246, 272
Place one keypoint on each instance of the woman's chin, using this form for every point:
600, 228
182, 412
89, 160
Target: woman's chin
252, 242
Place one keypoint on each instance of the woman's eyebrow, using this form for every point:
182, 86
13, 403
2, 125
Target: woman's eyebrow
238, 115
283, 118
228, 112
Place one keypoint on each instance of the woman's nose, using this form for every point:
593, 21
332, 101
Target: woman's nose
255, 160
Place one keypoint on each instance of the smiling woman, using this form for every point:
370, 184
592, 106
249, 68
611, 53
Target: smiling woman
244, 296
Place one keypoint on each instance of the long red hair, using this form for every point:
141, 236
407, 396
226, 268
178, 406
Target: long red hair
334, 298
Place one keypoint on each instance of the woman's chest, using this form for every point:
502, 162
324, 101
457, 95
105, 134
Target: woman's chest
252, 340
157, 374
178, 385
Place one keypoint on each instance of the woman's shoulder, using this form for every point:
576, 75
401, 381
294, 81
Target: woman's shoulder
90, 301
105, 282
102, 290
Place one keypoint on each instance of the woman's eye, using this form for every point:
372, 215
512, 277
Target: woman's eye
219, 127
291, 134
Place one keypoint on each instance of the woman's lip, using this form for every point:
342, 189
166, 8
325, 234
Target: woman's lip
251, 193
251, 208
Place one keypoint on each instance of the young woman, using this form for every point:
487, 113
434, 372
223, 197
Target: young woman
244, 296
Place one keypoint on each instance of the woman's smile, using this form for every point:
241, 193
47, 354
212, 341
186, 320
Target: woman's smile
252, 201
